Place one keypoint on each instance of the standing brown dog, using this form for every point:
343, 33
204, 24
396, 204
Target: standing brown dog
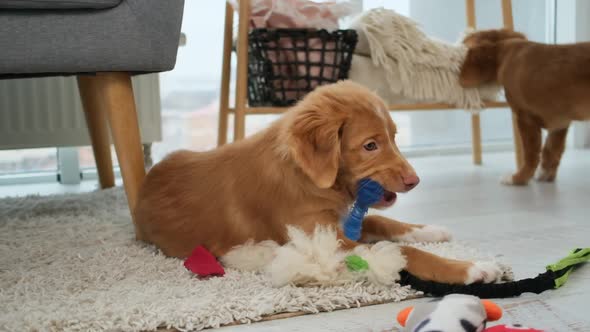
303, 171
547, 86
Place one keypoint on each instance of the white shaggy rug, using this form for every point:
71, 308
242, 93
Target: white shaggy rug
70, 263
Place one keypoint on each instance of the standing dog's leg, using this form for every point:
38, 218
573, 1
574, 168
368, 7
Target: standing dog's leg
530, 133
551, 155
377, 228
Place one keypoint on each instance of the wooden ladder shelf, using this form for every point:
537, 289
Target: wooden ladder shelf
241, 108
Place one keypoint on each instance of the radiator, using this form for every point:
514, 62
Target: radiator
47, 112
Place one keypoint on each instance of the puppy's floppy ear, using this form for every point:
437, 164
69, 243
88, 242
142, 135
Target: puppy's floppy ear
480, 66
314, 142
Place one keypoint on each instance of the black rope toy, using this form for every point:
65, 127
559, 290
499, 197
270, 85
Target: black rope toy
369, 192
555, 276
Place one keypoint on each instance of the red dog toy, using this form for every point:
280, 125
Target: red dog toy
203, 263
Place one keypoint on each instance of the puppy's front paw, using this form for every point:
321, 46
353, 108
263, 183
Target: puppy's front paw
544, 175
428, 233
513, 180
486, 272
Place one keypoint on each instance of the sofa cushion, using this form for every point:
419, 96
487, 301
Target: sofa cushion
137, 36
58, 4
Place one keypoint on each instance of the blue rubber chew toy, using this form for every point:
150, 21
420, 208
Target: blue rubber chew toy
368, 193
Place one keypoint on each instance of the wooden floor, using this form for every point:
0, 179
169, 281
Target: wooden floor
529, 226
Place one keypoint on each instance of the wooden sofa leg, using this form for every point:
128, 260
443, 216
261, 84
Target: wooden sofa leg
117, 93
96, 121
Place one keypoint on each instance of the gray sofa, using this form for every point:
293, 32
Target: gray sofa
76, 36
103, 42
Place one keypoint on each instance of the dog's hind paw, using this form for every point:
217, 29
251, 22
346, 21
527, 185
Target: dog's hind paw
428, 233
507, 180
513, 180
486, 272
544, 175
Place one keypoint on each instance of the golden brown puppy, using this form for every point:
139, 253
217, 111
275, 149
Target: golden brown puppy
300, 171
547, 86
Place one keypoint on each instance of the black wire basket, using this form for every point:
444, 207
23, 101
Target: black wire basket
285, 64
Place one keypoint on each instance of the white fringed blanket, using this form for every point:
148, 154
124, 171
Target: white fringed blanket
397, 60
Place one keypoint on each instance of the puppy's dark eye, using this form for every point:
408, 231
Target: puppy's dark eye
371, 146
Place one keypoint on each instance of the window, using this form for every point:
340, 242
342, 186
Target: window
86, 157
190, 93
28, 161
